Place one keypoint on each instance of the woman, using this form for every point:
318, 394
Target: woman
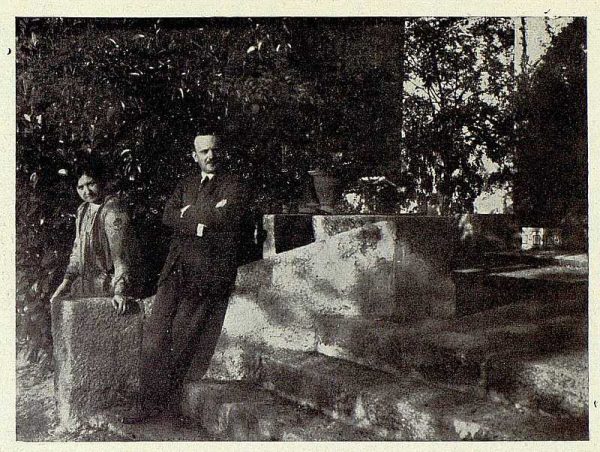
103, 256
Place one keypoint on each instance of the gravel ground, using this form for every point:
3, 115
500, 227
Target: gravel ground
36, 411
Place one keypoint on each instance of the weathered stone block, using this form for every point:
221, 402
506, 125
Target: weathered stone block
350, 274
97, 357
365, 272
255, 322
277, 300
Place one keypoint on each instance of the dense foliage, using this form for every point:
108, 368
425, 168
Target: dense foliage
550, 170
457, 112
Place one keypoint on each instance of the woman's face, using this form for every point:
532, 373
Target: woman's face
89, 189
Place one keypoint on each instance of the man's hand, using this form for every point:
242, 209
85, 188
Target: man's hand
119, 302
64, 287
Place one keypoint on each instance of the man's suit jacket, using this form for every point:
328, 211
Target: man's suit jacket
214, 255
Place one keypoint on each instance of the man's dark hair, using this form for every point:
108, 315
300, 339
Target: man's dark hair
92, 167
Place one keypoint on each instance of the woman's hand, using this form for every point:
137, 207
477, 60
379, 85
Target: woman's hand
64, 287
119, 302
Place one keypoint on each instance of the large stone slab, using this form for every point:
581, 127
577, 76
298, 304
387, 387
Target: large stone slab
403, 407
278, 299
457, 351
246, 412
96, 355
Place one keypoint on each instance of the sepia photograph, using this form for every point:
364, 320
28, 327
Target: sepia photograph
301, 228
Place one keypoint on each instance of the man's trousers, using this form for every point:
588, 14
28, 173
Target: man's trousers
185, 322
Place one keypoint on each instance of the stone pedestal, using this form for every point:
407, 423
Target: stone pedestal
96, 355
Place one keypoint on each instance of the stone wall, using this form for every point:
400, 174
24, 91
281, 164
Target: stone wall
485, 232
358, 267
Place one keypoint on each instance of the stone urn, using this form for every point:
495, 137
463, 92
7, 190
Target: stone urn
328, 189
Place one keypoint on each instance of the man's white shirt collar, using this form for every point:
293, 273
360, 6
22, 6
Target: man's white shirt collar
205, 175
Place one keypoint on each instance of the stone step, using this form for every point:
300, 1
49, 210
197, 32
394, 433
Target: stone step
461, 351
536, 258
483, 288
403, 407
557, 382
246, 412
573, 260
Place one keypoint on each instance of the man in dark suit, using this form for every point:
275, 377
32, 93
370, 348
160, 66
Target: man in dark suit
205, 212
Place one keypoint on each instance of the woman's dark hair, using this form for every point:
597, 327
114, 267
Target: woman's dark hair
91, 167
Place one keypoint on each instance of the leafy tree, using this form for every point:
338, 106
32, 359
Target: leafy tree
357, 66
550, 162
458, 74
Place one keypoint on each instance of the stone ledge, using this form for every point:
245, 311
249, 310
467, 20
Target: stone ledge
484, 232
